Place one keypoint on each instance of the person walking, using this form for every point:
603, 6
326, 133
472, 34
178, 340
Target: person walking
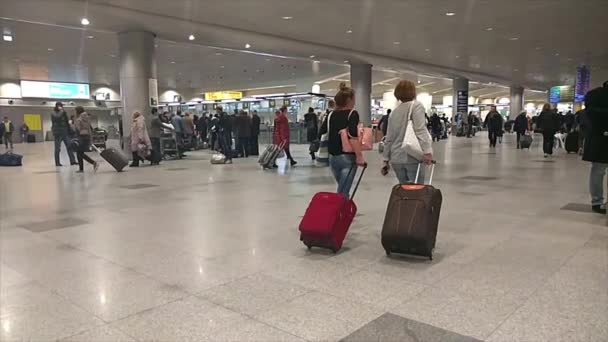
436, 126
595, 149
470, 125
493, 123
61, 133
83, 129
201, 127
243, 132
344, 116
395, 155
312, 131
548, 122
156, 130
383, 123
140, 140
280, 134
6, 130
24, 132
255, 134
521, 127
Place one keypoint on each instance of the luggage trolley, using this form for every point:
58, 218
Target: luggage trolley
168, 146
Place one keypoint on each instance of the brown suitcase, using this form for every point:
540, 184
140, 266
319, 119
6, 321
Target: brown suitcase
412, 218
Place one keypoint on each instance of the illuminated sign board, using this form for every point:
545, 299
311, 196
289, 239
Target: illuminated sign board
559, 94
223, 95
581, 87
55, 90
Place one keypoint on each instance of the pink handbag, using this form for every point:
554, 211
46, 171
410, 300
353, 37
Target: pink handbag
365, 137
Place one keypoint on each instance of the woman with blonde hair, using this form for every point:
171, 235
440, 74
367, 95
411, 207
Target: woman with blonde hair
140, 140
343, 117
409, 111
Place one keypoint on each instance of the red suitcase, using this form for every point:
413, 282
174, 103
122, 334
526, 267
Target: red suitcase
328, 218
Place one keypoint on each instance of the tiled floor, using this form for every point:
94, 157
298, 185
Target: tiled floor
212, 253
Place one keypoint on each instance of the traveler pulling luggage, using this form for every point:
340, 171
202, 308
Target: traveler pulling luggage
412, 218
114, 157
328, 218
269, 157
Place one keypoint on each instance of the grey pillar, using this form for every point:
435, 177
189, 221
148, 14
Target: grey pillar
460, 98
516, 105
138, 87
361, 81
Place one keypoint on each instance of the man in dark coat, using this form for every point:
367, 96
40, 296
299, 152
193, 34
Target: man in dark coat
596, 144
549, 123
255, 133
493, 123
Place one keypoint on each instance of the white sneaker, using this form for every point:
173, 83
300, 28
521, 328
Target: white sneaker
546, 155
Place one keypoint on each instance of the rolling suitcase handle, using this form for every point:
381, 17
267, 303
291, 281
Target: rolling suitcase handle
355, 167
432, 172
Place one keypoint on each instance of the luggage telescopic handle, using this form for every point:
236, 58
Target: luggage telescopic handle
355, 167
433, 163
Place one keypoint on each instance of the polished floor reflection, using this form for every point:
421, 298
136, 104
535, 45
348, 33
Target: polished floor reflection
193, 252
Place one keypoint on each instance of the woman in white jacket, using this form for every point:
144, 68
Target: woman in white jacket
395, 154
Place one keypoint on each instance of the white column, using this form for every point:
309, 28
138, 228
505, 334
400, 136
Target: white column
361, 81
516, 105
138, 83
460, 100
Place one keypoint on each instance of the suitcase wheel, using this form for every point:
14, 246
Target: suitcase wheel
334, 250
309, 247
388, 253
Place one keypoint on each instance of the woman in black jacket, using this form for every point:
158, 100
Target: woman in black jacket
548, 123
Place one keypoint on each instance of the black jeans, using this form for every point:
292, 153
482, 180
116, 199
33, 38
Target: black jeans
68, 146
243, 146
84, 146
519, 139
156, 157
492, 135
548, 140
224, 145
288, 153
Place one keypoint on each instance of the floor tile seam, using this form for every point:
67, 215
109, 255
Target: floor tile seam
366, 305
108, 325
533, 293
114, 322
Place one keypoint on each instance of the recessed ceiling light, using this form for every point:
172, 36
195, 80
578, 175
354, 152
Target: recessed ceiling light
316, 61
222, 67
85, 21
498, 66
287, 18
218, 53
191, 37
172, 62
427, 50
7, 38
538, 48
312, 56
515, 69
569, 59
247, 46
50, 49
557, 54
449, 14
514, 38
489, 29
349, 31
396, 43
346, 61
90, 37
112, 55
418, 81
457, 56
267, 59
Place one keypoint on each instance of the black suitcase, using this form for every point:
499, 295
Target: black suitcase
31, 138
114, 157
572, 142
412, 219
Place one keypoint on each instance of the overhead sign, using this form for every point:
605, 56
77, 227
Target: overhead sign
559, 94
223, 95
54, 90
581, 87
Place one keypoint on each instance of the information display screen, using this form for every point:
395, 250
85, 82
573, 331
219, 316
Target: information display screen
54, 90
559, 94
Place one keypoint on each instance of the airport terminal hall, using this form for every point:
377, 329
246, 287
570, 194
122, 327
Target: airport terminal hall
303, 171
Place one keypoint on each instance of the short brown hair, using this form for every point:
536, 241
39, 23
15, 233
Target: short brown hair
546, 106
344, 94
405, 91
